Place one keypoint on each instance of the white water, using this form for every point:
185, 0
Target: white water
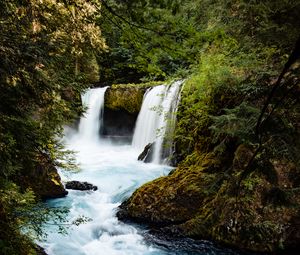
157, 117
167, 118
146, 125
117, 173
89, 126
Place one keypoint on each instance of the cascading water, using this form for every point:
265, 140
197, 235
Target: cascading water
113, 168
117, 173
157, 117
166, 120
147, 122
90, 124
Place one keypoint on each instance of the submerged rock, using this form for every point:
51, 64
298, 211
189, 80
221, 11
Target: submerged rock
77, 185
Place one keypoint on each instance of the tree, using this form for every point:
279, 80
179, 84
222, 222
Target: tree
47, 59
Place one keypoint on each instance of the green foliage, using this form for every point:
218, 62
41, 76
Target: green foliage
47, 58
238, 122
237, 66
157, 39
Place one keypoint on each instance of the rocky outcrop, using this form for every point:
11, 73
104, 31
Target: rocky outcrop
121, 108
44, 180
118, 123
77, 185
40, 250
147, 153
126, 97
205, 198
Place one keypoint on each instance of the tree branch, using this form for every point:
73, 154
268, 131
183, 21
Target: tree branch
107, 7
292, 59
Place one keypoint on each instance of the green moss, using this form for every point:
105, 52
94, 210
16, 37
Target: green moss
138, 85
202, 201
128, 97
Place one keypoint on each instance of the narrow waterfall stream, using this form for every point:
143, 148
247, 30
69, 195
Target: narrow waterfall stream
157, 118
146, 124
167, 114
90, 124
117, 173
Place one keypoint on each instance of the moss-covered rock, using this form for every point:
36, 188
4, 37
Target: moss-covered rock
170, 199
124, 98
208, 200
121, 108
44, 181
128, 97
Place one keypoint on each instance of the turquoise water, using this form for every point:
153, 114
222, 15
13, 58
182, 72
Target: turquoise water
117, 173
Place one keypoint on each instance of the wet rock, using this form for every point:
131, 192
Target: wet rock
121, 108
77, 185
118, 123
147, 154
40, 250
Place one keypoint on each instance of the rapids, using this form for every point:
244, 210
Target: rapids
117, 173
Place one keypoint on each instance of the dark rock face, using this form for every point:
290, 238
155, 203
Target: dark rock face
147, 154
118, 123
77, 185
40, 250
121, 108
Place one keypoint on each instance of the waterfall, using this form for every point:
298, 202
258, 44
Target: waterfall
113, 168
157, 118
90, 124
170, 148
147, 121
167, 121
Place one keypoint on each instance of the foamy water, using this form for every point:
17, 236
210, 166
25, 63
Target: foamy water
117, 173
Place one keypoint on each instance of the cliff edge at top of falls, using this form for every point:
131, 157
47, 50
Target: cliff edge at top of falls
122, 105
128, 97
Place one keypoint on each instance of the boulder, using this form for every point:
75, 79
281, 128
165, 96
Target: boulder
201, 199
43, 179
147, 154
77, 185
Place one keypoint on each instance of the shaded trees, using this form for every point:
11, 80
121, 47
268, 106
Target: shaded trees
46, 59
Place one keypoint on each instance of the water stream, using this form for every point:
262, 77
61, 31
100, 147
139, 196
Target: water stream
156, 120
117, 173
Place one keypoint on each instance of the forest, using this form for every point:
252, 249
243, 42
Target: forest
236, 154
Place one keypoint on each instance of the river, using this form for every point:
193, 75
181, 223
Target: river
113, 167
